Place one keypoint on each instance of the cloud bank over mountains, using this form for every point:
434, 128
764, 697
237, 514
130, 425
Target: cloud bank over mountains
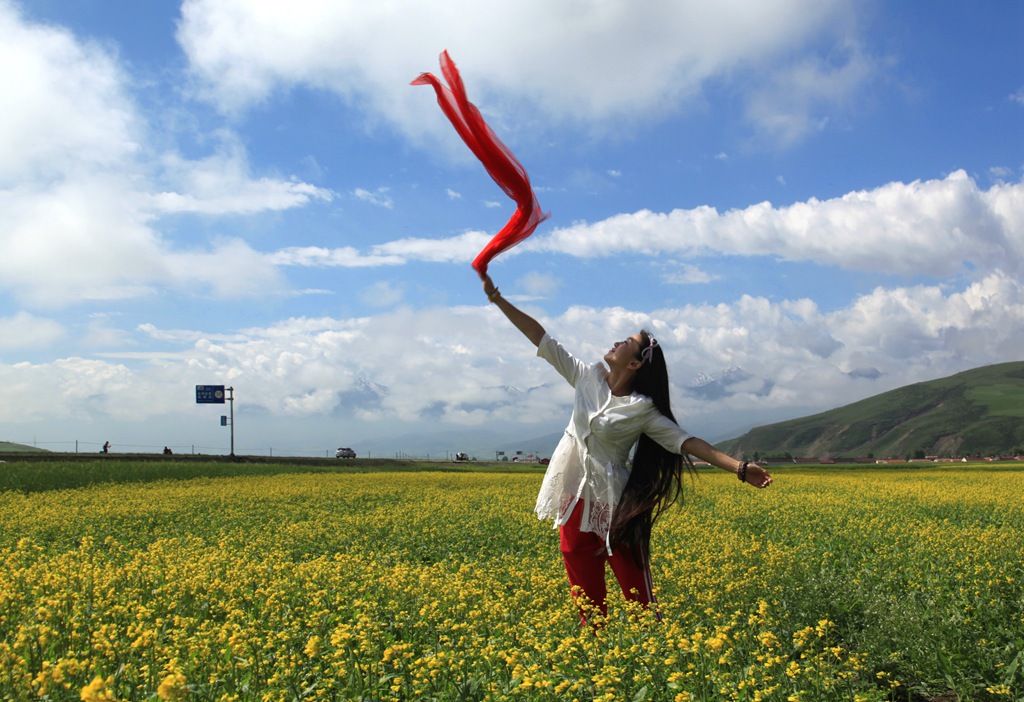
453, 363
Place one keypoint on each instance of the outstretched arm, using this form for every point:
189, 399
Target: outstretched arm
755, 474
529, 326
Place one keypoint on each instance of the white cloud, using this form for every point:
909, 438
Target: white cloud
57, 76
382, 294
26, 331
101, 331
223, 184
231, 269
59, 243
793, 101
70, 387
316, 256
82, 197
929, 227
539, 284
183, 336
548, 58
687, 274
378, 197
923, 326
463, 247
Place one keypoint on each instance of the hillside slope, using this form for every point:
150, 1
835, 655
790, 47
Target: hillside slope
8, 447
977, 412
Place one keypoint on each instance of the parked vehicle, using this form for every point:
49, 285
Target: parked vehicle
345, 453
460, 456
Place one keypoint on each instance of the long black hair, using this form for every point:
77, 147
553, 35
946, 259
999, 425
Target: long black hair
656, 479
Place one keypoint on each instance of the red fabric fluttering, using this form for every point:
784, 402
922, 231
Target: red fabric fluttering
502, 166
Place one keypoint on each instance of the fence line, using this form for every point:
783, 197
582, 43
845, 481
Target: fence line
81, 446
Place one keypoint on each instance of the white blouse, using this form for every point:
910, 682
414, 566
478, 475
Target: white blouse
589, 462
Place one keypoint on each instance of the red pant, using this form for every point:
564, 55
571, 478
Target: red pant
585, 556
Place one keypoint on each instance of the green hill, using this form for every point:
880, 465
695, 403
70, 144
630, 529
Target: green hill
8, 447
978, 412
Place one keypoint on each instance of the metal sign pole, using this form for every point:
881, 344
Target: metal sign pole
231, 401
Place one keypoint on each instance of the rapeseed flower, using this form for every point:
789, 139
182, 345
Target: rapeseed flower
445, 586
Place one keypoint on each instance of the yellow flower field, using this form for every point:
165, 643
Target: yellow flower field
832, 585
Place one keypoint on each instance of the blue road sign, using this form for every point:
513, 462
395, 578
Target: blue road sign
209, 394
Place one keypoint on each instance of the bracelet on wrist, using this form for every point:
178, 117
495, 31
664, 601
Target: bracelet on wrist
741, 473
494, 295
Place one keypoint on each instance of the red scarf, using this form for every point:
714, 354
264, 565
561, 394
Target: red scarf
503, 167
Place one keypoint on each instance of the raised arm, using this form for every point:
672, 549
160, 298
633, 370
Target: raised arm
529, 326
754, 474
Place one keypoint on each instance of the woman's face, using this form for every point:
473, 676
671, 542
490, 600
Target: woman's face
622, 352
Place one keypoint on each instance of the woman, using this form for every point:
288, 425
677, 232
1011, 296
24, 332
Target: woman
604, 511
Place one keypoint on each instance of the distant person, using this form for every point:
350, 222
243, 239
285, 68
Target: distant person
106, 448
168, 451
604, 510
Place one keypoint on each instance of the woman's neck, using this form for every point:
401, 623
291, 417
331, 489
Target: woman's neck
620, 381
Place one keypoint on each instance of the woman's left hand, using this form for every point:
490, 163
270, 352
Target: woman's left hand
758, 476
489, 286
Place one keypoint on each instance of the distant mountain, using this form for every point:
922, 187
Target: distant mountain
368, 388
719, 385
978, 412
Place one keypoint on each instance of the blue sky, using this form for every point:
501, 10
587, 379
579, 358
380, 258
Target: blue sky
808, 202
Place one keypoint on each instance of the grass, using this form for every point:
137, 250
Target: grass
53, 471
1001, 400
